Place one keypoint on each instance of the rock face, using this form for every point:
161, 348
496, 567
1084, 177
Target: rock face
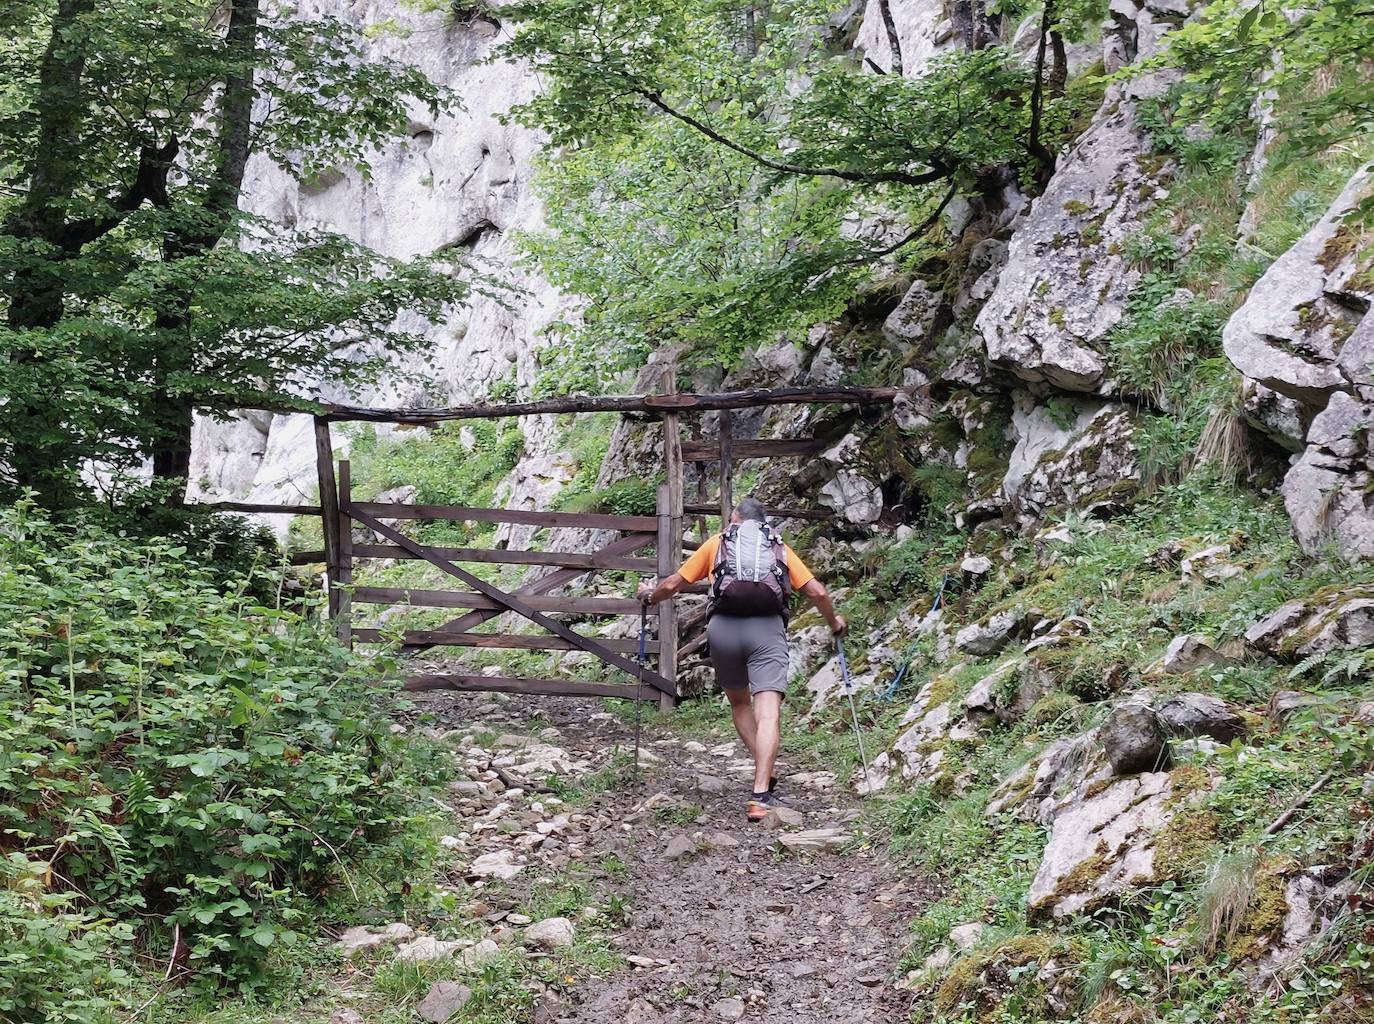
1189, 715
1102, 846
1188, 653
1068, 275
1305, 341
1324, 622
459, 182
1328, 490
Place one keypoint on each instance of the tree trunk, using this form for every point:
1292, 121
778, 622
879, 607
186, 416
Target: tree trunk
1039, 152
894, 43
172, 414
37, 456
1059, 66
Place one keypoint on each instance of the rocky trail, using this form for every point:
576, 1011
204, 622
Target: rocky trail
792, 919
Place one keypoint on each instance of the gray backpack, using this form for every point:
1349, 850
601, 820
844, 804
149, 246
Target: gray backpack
750, 575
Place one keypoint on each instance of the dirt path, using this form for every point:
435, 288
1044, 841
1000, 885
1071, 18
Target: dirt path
725, 924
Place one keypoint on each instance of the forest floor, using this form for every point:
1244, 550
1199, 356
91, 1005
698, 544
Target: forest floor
797, 920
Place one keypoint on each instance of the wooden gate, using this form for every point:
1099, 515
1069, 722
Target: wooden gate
537, 601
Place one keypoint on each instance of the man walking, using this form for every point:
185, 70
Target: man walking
753, 574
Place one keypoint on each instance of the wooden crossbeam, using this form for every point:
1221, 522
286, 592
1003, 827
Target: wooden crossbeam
545, 687
677, 402
516, 604
575, 520
544, 585
422, 598
502, 641
759, 448
570, 559
698, 508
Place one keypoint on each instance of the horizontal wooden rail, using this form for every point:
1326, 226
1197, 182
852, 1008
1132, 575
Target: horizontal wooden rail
582, 520
698, 509
260, 507
463, 599
547, 687
762, 448
567, 559
504, 641
678, 402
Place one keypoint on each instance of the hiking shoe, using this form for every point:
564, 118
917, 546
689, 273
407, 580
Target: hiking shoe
758, 807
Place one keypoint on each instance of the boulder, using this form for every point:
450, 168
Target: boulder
1081, 456
551, 933
1068, 272
1102, 845
1295, 331
442, 1001
1134, 739
1188, 653
910, 322
1190, 715
855, 498
1052, 779
1327, 621
497, 864
990, 636
1282, 419
359, 938
1326, 492
427, 948
1210, 565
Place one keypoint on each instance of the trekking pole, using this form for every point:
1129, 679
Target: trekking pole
639, 689
853, 711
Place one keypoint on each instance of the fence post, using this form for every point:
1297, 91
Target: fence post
345, 574
727, 468
329, 509
667, 614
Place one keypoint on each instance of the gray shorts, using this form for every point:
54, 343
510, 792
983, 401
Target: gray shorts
749, 652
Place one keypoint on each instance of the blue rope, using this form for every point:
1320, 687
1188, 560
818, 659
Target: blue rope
890, 690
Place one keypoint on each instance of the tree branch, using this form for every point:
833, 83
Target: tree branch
938, 171
1037, 148
911, 236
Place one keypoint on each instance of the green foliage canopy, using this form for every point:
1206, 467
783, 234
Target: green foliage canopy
132, 287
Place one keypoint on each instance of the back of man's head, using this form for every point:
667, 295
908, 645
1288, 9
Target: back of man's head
750, 508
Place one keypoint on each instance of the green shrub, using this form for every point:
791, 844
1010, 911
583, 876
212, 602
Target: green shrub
177, 755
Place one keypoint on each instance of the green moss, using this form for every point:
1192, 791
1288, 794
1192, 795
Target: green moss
1050, 708
966, 984
1182, 845
1265, 913
1056, 316
1076, 207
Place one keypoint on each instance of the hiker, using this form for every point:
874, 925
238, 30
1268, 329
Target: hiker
753, 574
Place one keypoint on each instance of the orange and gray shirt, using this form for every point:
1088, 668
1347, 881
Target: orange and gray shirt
703, 562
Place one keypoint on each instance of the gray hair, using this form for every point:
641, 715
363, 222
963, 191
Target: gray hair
751, 508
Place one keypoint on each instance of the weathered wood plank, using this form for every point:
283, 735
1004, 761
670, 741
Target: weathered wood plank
544, 585
583, 520
421, 598
345, 631
545, 687
571, 559
259, 507
501, 641
680, 402
329, 510
725, 454
759, 448
819, 515
518, 606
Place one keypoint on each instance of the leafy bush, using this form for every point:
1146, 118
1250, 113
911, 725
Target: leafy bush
633, 497
173, 754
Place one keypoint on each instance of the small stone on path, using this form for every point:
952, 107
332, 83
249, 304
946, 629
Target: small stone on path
784, 817
444, 999
552, 933
721, 840
693, 747
816, 840
711, 785
679, 846
729, 1009
348, 1016
498, 864
479, 954
426, 948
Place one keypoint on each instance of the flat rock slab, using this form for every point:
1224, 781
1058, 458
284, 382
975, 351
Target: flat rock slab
816, 840
442, 1001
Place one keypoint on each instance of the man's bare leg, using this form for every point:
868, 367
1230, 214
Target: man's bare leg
767, 734
742, 711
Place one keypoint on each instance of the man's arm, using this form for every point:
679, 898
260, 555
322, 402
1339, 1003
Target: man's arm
650, 594
820, 597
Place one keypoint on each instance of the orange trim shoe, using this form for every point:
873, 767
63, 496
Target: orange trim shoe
758, 807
